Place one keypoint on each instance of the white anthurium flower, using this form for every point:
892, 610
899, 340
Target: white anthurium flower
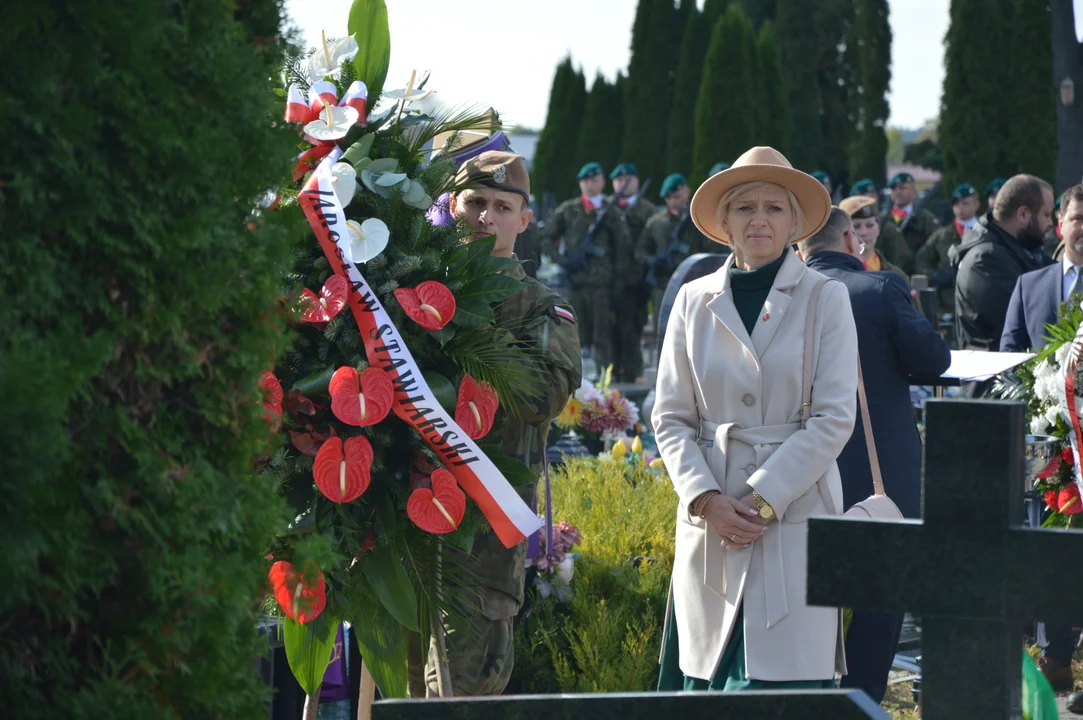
411, 96
333, 124
367, 239
390, 179
344, 182
330, 57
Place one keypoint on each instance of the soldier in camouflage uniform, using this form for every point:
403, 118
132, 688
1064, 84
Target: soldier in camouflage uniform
595, 279
862, 212
669, 238
932, 258
635, 211
991, 191
915, 226
891, 244
481, 657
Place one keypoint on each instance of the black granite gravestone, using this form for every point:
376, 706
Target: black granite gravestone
821, 705
969, 568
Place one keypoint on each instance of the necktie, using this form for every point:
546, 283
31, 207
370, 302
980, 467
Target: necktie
1077, 283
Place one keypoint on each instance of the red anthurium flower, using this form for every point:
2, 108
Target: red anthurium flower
431, 305
310, 441
476, 408
342, 470
297, 404
272, 399
1051, 499
1069, 501
330, 302
1067, 456
363, 399
1050, 469
301, 595
441, 509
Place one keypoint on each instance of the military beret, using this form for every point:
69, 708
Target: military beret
903, 177
863, 186
590, 170
962, 191
718, 167
1056, 203
859, 207
821, 176
671, 183
624, 169
498, 170
994, 187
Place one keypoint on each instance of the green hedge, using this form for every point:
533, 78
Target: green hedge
607, 638
138, 314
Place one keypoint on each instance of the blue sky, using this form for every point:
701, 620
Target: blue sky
519, 42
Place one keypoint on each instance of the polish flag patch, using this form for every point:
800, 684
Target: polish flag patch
564, 314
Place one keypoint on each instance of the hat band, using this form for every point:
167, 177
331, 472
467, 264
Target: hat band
492, 185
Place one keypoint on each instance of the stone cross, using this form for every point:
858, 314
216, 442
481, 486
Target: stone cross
783, 705
969, 568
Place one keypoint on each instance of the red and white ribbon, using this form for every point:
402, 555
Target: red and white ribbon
1071, 402
304, 108
415, 403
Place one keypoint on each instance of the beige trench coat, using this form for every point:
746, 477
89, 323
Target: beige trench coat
726, 418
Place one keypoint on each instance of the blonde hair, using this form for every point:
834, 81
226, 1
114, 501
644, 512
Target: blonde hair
734, 192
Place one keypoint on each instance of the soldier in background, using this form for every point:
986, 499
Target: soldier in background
932, 258
631, 310
717, 168
862, 212
670, 237
915, 226
481, 656
586, 237
891, 245
865, 187
825, 180
991, 191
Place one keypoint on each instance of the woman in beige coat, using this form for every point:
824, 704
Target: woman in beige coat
726, 417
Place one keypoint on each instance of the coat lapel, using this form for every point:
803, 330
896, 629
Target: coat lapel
778, 301
722, 307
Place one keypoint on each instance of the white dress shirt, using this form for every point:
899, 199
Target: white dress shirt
1070, 273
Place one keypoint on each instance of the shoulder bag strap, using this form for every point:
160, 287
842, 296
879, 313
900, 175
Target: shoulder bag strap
806, 397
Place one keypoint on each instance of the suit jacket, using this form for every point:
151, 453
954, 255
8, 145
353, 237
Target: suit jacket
895, 342
1034, 303
725, 417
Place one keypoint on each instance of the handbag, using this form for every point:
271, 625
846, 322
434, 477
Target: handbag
877, 506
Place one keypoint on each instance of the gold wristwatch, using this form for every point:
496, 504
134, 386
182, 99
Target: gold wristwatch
764, 508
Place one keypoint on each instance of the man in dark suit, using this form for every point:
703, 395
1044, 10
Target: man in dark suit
895, 341
1034, 304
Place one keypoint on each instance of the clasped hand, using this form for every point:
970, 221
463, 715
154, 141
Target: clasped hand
737, 522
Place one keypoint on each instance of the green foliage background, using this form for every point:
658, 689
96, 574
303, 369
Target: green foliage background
138, 314
607, 639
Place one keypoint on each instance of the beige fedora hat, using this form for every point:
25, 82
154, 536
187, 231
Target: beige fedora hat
760, 164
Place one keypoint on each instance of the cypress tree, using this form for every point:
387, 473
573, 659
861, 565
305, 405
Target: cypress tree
837, 77
775, 115
977, 59
759, 11
600, 133
1034, 102
141, 304
727, 118
693, 51
800, 51
872, 35
554, 159
649, 91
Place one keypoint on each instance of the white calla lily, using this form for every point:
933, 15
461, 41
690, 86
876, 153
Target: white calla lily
330, 57
344, 182
333, 124
367, 239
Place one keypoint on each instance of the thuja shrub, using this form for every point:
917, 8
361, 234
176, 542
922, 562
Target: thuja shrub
607, 636
140, 305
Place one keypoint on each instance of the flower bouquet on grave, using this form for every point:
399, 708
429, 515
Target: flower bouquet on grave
556, 567
599, 413
1052, 386
399, 377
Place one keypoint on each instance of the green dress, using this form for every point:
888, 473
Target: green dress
750, 291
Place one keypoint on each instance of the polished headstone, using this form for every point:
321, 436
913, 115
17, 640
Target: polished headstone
969, 568
782, 705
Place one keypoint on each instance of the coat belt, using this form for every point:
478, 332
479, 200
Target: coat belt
762, 440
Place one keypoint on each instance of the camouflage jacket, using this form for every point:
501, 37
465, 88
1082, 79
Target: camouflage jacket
915, 230
933, 255
567, 228
659, 233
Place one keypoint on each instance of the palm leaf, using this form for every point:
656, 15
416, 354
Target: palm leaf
454, 119
511, 368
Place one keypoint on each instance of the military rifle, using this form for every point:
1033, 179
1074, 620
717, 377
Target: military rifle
579, 259
660, 265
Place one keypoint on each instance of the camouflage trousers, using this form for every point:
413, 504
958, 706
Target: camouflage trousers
594, 315
628, 332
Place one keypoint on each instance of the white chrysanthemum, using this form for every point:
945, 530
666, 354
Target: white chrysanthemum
1039, 425
1061, 355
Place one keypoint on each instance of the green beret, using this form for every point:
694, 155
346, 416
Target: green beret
671, 183
590, 170
863, 186
821, 176
718, 167
963, 190
903, 177
994, 187
1056, 203
624, 169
